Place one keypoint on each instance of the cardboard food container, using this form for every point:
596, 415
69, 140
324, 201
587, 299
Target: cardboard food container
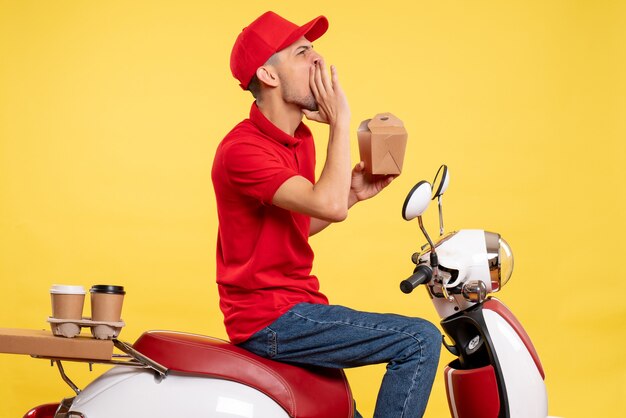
382, 142
44, 344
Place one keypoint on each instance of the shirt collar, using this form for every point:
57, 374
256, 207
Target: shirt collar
273, 132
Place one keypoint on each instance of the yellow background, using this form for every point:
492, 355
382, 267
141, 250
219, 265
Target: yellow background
110, 112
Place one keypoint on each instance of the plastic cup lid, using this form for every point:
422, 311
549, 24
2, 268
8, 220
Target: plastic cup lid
107, 288
63, 289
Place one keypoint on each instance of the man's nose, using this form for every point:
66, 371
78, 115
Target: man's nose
315, 57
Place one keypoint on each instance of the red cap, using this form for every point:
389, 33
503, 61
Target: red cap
268, 34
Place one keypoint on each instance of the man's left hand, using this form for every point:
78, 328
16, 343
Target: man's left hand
365, 186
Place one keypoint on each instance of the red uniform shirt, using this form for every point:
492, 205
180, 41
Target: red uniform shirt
263, 256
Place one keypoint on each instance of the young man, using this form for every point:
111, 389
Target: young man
269, 204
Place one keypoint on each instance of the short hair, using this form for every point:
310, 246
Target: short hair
254, 86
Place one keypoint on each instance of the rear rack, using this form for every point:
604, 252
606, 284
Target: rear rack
130, 358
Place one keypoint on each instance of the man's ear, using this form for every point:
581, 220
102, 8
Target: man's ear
267, 75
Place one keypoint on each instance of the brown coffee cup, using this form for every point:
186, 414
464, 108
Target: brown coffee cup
67, 301
106, 302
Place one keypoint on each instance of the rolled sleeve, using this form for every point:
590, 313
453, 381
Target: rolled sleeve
255, 171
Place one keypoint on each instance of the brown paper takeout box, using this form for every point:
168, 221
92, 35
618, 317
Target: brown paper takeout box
382, 142
44, 344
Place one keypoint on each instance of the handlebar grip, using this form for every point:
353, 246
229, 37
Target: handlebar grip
421, 275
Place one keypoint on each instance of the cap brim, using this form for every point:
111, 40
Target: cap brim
311, 31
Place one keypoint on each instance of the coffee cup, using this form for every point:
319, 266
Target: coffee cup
106, 302
67, 301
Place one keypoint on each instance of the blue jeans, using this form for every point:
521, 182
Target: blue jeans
338, 337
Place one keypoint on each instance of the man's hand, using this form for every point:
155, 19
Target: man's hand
365, 186
331, 101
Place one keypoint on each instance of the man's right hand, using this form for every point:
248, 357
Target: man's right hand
331, 101
327, 199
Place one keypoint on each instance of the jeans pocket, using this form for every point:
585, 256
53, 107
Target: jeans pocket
271, 343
